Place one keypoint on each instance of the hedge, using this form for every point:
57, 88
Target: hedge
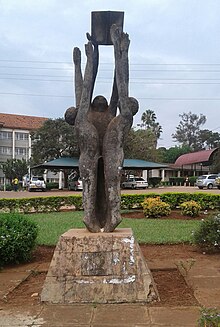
128, 201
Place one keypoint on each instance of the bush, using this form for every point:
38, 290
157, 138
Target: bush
210, 317
8, 187
192, 180
52, 185
154, 181
190, 208
208, 234
17, 238
177, 181
154, 208
128, 201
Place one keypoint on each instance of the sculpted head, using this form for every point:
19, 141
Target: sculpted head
70, 115
99, 104
134, 105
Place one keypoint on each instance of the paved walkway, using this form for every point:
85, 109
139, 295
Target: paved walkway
203, 277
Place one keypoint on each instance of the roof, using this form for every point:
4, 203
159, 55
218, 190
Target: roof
195, 157
21, 121
65, 162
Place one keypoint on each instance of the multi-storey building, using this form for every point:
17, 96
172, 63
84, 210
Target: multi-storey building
15, 140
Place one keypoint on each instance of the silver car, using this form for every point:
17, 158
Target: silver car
135, 182
75, 184
206, 181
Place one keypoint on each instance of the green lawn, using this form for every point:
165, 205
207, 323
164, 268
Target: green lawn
154, 231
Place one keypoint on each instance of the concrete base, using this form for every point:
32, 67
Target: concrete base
98, 268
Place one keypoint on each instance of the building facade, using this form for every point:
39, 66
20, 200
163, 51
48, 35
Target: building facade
15, 140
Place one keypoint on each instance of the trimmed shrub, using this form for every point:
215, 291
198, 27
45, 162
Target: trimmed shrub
52, 185
128, 201
208, 234
177, 181
17, 238
154, 181
192, 180
154, 208
190, 208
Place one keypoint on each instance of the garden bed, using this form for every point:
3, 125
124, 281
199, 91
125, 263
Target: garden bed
175, 214
172, 288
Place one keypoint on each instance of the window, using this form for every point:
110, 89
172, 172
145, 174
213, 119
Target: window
20, 151
5, 135
6, 150
21, 136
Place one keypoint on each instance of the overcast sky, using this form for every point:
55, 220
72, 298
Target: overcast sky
174, 57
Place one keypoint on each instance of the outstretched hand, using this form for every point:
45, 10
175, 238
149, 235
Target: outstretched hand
119, 38
89, 50
76, 56
125, 42
90, 38
115, 33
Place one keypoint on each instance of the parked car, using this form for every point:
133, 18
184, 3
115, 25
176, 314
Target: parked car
75, 184
36, 183
206, 181
135, 182
217, 181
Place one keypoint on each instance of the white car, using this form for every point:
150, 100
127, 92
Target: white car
207, 181
36, 183
135, 182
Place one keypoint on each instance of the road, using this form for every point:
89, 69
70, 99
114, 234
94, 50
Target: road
25, 194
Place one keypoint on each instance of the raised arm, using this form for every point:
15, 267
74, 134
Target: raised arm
114, 98
78, 75
95, 61
87, 84
121, 45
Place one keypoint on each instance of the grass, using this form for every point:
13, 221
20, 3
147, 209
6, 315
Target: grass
151, 231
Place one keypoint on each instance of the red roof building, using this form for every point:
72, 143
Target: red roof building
204, 157
21, 122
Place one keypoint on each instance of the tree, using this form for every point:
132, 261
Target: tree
215, 167
14, 168
209, 139
54, 139
189, 129
140, 144
170, 155
148, 119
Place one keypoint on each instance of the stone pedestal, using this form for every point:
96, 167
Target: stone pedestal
98, 268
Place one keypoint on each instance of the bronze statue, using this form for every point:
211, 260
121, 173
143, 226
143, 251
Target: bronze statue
101, 133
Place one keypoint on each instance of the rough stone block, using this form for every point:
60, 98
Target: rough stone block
98, 268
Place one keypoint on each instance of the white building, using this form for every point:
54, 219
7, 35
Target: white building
15, 140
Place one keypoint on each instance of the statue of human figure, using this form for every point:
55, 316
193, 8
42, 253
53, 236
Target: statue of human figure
101, 133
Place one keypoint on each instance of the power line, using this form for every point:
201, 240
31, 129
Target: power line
107, 63
101, 81
131, 78
37, 95
134, 70
147, 98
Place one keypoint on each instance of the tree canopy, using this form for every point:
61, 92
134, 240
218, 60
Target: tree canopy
54, 139
149, 122
142, 143
170, 155
14, 168
189, 133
